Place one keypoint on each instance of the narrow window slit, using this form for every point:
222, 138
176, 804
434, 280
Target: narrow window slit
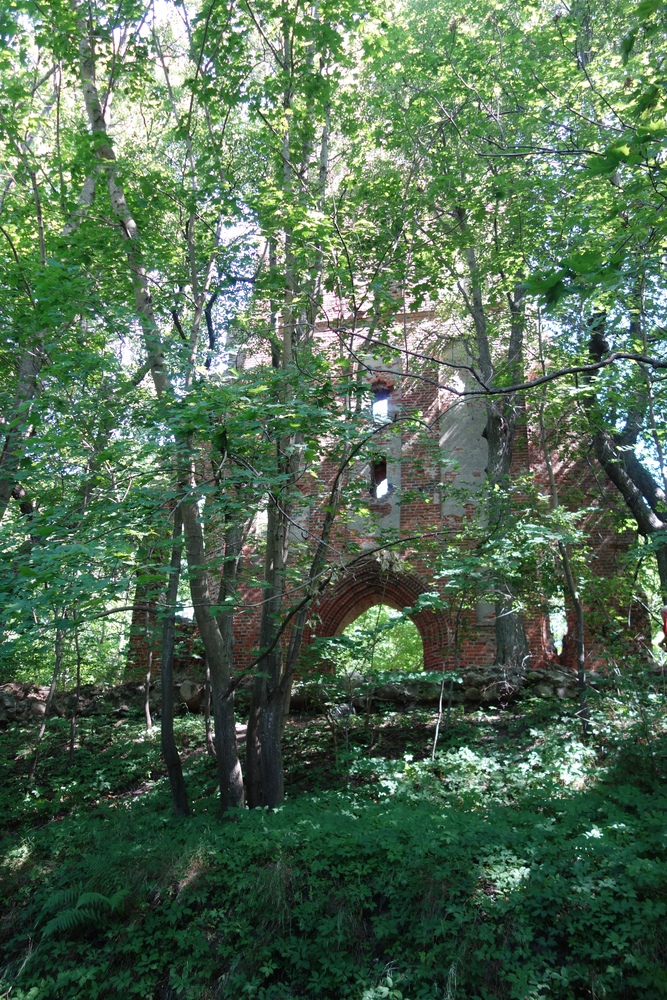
379, 481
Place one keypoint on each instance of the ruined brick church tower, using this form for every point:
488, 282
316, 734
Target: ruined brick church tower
421, 485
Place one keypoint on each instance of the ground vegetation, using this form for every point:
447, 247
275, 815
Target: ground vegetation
517, 860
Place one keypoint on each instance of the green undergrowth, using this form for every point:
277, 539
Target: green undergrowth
521, 862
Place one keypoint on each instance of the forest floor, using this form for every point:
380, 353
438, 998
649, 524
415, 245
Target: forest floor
522, 861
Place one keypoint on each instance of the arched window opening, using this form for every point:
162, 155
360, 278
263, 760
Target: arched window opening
380, 405
381, 639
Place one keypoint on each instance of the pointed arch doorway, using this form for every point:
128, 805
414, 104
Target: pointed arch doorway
372, 585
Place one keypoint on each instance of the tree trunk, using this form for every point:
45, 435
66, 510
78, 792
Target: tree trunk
210, 748
128, 227
10, 458
77, 695
501, 419
271, 730
226, 748
617, 467
511, 642
169, 751
253, 745
581, 647
271, 693
571, 586
226, 751
263, 753
218, 641
149, 671
217, 647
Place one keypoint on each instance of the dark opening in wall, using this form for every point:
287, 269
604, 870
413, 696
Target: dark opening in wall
379, 482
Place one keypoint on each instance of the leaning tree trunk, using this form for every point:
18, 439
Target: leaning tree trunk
622, 472
129, 230
615, 452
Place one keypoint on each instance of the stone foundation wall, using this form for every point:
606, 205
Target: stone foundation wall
26, 703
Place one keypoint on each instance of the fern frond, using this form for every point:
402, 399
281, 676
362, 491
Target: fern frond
63, 897
67, 921
90, 910
92, 899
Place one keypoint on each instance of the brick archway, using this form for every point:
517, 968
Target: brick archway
371, 586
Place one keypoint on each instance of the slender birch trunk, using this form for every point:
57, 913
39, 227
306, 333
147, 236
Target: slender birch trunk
128, 228
149, 671
210, 747
77, 696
